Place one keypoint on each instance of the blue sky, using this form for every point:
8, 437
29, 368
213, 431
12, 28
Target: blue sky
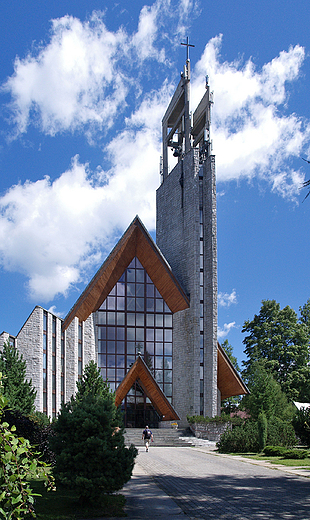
84, 86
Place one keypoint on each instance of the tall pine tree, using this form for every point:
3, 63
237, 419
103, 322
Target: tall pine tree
19, 392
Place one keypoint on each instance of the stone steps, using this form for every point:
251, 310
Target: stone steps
162, 437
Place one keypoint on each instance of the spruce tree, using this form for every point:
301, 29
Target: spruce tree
91, 456
19, 392
91, 382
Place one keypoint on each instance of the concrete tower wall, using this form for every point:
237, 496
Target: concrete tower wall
184, 192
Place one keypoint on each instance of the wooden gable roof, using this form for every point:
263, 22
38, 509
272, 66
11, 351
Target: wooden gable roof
228, 380
136, 241
140, 372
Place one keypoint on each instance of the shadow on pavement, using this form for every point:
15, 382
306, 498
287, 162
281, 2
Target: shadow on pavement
243, 498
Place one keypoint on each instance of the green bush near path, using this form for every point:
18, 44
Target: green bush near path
300, 463
245, 437
281, 451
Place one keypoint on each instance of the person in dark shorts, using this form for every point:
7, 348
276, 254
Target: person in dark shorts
147, 436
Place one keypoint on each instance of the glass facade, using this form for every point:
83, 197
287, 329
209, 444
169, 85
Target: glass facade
133, 320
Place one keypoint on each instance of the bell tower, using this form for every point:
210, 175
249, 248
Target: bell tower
186, 235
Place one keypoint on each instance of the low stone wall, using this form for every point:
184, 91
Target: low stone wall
168, 425
211, 431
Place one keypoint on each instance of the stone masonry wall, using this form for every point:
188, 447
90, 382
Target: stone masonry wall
29, 342
89, 341
211, 403
177, 235
71, 358
4, 336
210, 431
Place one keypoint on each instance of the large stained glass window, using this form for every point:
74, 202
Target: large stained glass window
133, 320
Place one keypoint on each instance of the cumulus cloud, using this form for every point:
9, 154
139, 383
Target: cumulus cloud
82, 77
222, 332
252, 134
54, 232
226, 299
85, 78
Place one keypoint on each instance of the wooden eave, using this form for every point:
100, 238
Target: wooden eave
228, 380
136, 241
139, 372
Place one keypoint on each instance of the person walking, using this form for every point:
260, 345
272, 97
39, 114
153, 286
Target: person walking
147, 436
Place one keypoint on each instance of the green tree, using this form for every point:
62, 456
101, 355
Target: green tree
266, 395
19, 392
229, 351
305, 314
91, 456
277, 337
262, 430
91, 382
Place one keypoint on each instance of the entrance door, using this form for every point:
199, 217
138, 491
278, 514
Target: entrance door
139, 410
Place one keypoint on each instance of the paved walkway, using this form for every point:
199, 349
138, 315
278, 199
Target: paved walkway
197, 484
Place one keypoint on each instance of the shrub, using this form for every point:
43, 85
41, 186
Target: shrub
274, 451
245, 437
280, 433
34, 428
296, 454
18, 463
241, 439
281, 451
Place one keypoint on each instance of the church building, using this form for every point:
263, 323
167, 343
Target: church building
148, 318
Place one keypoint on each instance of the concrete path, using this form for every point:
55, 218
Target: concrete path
196, 483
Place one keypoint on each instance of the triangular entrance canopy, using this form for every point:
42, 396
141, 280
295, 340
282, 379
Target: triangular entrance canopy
228, 380
136, 241
140, 372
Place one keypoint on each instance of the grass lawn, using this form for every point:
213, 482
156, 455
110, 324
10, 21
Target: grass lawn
276, 460
63, 504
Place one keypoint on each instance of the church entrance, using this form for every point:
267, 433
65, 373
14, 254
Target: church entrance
138, 409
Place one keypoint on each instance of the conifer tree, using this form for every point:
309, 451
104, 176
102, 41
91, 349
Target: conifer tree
91, 456
19, 392
91, 382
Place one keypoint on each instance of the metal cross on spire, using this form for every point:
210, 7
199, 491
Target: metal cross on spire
188, 45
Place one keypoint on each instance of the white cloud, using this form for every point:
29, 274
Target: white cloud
251, 132
222, 332
226, 299
82, 77
56, 231
72, 81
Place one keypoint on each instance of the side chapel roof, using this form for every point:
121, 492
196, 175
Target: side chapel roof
136, 241
229, 381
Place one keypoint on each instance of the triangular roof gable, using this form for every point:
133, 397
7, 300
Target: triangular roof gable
136, 241
228, 380
140, 372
